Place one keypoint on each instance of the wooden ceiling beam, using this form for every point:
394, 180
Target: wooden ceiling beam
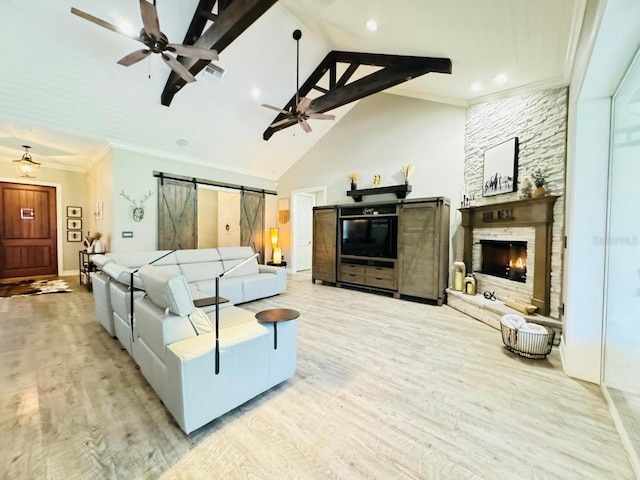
199, 21
396, 69
234, 17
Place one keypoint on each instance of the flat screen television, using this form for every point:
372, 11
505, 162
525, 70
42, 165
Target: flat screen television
370, 237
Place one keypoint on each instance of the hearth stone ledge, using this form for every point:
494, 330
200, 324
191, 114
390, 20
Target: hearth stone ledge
490, 312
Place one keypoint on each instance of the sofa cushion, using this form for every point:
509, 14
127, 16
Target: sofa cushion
196, 272
230, 288
101, 260
138, 259
231, 256
201, 322
119, 273
167, 291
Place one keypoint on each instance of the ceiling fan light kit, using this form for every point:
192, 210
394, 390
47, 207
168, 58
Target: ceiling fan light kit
155, 41
299, 113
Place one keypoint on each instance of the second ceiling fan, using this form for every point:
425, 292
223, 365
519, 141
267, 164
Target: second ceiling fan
298, 111
154, 40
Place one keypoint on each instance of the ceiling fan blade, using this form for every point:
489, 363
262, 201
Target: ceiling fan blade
101, 23
276, 109
281, 122
177, 67
321, 116
305, 126
134, 57
303, 104
150, 19
193, 52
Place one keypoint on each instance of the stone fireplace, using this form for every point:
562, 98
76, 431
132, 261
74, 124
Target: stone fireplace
508, 247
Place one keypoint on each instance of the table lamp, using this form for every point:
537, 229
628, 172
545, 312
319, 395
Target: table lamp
277, 251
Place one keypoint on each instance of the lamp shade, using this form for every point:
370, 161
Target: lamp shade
277, 255
26, 167
274, 237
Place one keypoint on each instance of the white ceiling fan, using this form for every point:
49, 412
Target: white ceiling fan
154, 40
299, 111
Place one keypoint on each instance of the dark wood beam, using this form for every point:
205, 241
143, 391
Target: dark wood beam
234, 17
396, 69
347, 74
199, 21
207, 16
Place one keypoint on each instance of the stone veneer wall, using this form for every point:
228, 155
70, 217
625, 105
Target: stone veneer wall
539, 120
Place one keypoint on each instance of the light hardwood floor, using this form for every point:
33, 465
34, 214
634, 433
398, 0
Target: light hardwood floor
385, 389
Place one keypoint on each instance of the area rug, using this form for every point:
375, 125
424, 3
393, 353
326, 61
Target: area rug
24, 288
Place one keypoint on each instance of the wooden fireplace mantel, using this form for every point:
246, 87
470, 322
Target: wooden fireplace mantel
530, 212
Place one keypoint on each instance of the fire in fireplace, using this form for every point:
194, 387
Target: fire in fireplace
504, 259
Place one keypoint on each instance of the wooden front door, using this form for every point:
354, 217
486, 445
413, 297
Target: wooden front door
28, 231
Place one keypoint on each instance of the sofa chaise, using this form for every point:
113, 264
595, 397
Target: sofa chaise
174, 345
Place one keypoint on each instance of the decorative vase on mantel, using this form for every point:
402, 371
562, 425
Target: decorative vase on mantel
354, 186
539, 192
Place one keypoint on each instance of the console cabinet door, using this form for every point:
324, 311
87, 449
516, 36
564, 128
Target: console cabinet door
418, 240
325, 227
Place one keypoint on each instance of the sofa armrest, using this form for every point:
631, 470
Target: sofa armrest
196, 395
279, 272
270, 269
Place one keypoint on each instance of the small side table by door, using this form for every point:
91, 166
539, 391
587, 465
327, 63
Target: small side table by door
275, 315
85, 267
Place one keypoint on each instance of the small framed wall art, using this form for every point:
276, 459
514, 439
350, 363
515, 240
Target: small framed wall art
74, 236
74, 224
74, 212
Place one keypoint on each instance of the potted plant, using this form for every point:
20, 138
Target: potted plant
354, 180
407, 170
537, 177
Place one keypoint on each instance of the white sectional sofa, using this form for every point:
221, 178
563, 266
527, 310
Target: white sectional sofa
111, 284
174, 345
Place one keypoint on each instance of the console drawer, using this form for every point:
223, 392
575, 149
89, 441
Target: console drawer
380, 282
350, 268
352, 277
381, 272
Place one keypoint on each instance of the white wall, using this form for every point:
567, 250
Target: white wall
100, 189
379, 135
228, 214
133, 173
207, 217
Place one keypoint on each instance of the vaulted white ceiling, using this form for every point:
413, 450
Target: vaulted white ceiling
63, 93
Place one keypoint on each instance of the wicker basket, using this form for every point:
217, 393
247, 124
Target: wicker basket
527, 344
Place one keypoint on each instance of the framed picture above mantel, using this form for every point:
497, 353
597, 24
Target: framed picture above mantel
500, 168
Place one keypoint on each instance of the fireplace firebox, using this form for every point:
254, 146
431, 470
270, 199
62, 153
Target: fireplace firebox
504, 259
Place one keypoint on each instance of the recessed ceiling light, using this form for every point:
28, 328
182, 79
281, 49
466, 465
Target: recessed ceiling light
500, 79
372, 25
476, 87
181, 142
255, 93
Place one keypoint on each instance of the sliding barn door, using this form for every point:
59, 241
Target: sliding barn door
252, 222
177, 214
28, 230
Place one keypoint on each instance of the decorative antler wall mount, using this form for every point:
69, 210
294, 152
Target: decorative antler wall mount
137, 209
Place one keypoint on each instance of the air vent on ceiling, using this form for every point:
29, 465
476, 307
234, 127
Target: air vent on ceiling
214, 72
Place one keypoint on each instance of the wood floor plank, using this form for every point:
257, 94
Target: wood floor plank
384, 389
